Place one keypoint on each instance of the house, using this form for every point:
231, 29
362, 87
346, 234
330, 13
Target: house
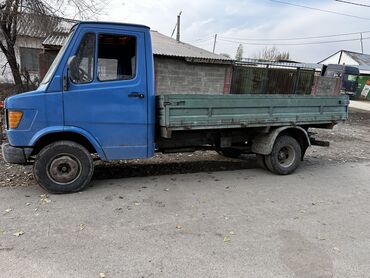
179, 67
362, 61
32, 31
350, 58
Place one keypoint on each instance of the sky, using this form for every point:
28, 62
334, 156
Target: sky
237, 21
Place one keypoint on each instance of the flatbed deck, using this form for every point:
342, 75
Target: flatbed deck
194, 112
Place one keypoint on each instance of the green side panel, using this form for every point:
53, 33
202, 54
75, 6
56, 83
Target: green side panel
184, 112
361, 84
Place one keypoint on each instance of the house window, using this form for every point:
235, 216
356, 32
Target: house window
30, 58
116, 57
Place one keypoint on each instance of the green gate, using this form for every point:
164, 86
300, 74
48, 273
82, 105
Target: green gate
271, 80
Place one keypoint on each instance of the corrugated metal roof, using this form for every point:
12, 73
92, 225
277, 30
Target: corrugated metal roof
361, 59
37, 26
54, 40
166, 46
162, 46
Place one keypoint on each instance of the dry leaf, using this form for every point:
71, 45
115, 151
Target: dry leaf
18, 234
45, 199
8, 210
179, 227
232, 233
136, 203
82, 227
226, 238
101, 275
321, 237
28, 204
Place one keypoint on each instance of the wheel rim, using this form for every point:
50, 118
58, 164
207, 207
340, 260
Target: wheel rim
286, 156
64, 169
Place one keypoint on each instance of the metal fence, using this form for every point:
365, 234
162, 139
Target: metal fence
271, 79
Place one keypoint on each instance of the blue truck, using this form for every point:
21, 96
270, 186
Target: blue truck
98, 99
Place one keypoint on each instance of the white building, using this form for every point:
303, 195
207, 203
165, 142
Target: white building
345, 57
32, 31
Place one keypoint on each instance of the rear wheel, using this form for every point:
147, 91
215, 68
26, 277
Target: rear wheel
63, 167
285, 156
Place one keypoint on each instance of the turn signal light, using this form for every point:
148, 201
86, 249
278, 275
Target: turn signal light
14, 118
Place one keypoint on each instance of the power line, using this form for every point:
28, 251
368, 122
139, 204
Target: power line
199, 40
321, 10
353, 3
293, 44
297, 38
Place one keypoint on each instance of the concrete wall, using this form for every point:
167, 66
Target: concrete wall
175, 76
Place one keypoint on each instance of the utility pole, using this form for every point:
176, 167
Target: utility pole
214, 43
178, 27
362, 44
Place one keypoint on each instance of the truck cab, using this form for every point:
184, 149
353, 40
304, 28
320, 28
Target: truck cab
98, 92
97, 87
348, 76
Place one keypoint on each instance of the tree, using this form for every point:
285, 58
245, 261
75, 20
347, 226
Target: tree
239, 53
46, 14
272, 54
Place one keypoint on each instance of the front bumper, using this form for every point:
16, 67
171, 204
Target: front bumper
15, 155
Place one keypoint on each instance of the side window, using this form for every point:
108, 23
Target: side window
116, 57
83, 66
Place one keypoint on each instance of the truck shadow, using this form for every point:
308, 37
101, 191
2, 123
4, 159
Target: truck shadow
137, 168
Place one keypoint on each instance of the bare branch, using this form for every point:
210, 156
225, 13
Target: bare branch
43, 17
272, 54
3, 68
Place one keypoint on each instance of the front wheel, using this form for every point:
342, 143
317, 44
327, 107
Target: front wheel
63, 167
285, 156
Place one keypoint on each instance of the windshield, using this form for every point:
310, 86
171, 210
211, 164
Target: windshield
57, 59
350, 77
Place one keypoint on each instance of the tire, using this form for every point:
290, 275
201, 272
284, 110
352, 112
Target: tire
63, 167
230, 153
285, 156
261, 161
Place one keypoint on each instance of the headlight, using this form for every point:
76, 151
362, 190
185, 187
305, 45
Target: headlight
14, 118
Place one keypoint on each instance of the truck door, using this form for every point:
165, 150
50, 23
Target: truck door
107, 91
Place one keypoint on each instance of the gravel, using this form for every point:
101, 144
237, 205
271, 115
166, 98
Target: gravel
349, 142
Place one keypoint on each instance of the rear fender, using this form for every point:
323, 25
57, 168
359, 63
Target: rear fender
264, 143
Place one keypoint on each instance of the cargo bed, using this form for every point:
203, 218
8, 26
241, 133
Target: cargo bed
194, 112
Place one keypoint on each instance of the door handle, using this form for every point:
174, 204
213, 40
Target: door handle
138, 95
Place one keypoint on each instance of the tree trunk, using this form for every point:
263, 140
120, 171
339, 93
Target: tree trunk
11, 58
16, 73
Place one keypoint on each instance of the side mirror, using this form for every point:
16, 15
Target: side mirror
72, 72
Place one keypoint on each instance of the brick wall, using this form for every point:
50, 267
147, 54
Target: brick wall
175, 75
